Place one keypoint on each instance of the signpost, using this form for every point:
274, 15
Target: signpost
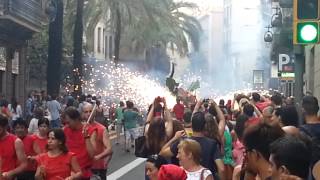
285, 67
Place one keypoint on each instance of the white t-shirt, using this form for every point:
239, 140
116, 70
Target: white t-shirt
196, 175
15, 114
33, 126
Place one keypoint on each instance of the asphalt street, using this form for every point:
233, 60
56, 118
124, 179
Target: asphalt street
124, 165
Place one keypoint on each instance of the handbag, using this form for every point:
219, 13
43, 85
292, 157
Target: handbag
140, 147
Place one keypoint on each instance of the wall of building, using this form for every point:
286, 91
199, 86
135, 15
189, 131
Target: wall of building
103, 42
212, 38
245, 49
312, 70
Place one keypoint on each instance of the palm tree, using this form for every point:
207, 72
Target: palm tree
77, 48
169, 27
55, 47
146, 23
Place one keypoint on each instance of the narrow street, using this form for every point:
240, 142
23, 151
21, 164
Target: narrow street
125, 166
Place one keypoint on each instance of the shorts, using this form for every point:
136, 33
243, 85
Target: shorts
132, 133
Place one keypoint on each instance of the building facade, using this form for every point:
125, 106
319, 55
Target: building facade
312, 70
103, 42
245, 49
19, 20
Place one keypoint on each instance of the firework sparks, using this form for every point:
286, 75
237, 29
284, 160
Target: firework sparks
119, 83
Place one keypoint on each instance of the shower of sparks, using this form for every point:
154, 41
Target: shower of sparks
114, 84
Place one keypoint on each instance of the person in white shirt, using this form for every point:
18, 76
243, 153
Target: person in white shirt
189, 154
33, 125
15, 109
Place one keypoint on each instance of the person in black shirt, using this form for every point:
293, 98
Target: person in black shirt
310, 108
210, 157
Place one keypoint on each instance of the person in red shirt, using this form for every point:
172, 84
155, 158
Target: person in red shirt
178, 110
41, 139
58, 162
102, 145
20, 128
79, 141
12, 155
261, 105
249, 110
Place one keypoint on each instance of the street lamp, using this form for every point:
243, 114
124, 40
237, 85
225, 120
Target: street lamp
268, 36
276, 19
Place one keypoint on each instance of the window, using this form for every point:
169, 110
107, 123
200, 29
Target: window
110, 47
104, 42
99, 40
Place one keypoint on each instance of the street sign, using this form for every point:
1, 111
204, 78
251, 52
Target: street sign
286, 67
283, 60
286, 63
287, 75
257, 76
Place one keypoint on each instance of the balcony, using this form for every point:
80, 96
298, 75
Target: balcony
20, 18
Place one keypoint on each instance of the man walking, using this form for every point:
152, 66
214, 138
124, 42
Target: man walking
54, 109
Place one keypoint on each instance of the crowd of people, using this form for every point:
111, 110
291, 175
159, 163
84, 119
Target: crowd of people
66, 143
253, 136
250, 137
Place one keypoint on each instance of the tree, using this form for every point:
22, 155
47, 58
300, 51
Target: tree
55, 47
149, 23
77, 48
170, 27
37, 59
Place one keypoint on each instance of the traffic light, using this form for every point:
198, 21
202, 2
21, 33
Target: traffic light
306, 22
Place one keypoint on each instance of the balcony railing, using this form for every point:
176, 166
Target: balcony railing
28, 11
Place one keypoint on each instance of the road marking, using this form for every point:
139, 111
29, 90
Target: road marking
125, 169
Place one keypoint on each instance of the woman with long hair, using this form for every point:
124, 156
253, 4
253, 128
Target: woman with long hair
15, 109
212, 129
158, 129
189, 154
58, 162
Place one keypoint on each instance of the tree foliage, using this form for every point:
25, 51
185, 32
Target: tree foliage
141, 25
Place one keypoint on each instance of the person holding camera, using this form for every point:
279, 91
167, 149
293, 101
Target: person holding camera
159, 127
211, 151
